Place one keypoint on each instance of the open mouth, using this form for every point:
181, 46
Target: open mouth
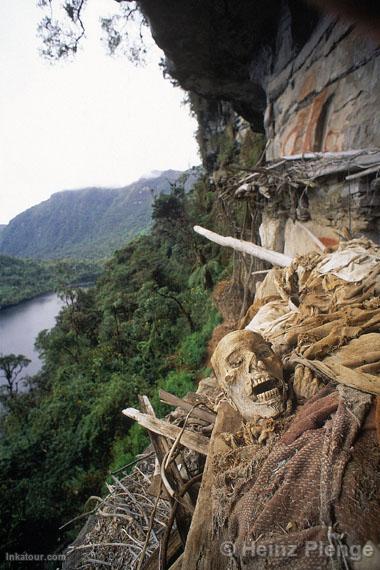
265, 386
266, 390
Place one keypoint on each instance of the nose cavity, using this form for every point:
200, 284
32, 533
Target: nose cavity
252, 363
229, 379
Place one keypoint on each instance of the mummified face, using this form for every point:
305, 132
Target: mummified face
250, 374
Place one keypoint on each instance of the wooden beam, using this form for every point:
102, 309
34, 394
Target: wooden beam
162, 446
273, 257
189, 439
147, 406
203, 547
365, 172
316, 155
172, 400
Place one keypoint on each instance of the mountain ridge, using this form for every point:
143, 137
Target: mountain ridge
88, 223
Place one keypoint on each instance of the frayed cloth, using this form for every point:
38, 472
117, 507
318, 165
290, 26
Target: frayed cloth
310, 485
332, 325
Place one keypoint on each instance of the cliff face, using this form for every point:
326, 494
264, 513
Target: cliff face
278, 79
282, 66
325, 98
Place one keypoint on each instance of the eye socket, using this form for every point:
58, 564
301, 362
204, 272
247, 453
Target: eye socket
264, 352
235, 360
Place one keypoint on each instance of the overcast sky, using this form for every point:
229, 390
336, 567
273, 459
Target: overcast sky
97, 121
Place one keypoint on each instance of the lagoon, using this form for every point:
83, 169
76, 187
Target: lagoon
20, 325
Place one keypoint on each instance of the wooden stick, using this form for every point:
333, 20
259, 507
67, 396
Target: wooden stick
189, 439
174, 548
147, 406
364, 172
312, 155
272, 257
202, 550
312, 236
172, 400
151, 523
165, 540
162, 448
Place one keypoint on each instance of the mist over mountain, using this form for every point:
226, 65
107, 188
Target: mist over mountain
86, 223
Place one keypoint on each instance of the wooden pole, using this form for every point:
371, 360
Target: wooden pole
371, 170
273, 257
172, 400
316, 155
189, 439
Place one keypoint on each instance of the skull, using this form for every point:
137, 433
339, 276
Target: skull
250, 374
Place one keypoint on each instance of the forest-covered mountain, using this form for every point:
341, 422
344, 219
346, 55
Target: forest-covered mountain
88, 223
22, 279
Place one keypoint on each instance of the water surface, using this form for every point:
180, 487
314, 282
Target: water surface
20, 325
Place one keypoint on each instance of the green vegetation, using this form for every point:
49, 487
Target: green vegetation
144, 325
252, 148
86, 224
227, 148
224, 139
22, 279
11, 365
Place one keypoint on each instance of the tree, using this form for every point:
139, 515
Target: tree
10, 368
174, 216
63, 27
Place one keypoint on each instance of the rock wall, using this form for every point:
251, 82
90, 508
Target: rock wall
326, 98
308, 81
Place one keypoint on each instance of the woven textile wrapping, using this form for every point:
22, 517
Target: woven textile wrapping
309, 500
322, 321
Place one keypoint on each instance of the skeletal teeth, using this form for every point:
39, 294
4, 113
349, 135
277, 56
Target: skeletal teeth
269, 395
259, 380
